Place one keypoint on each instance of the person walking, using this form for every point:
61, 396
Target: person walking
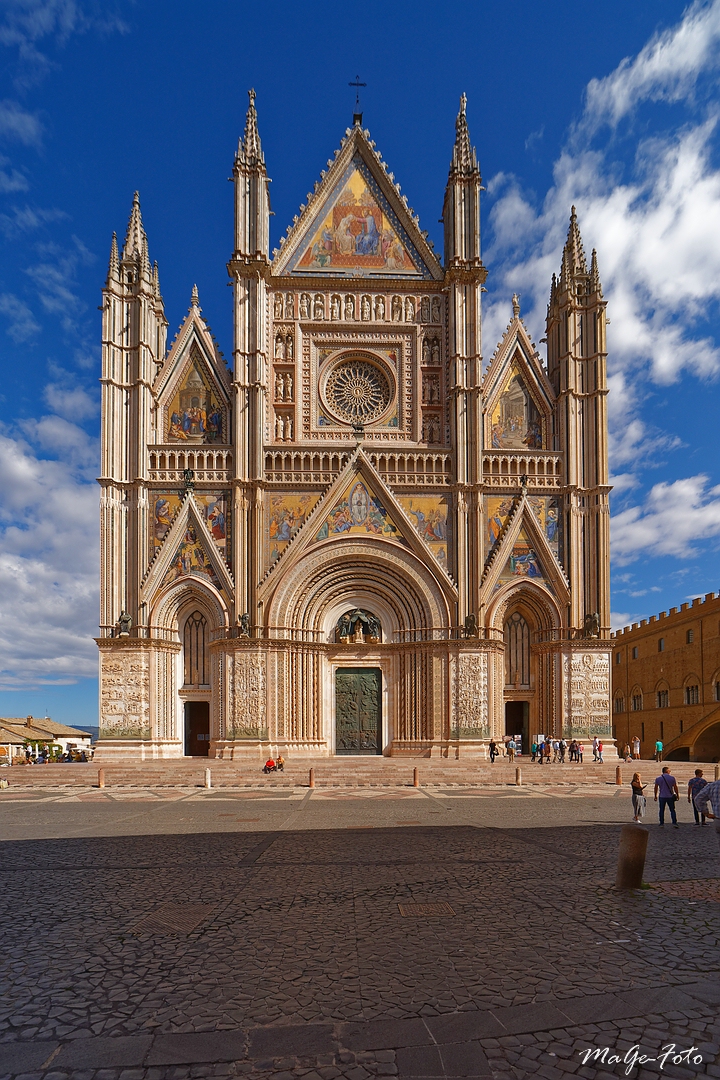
511, 747
548, 750
666, 788
695, 786
658, 750
493, 751
579, 751
627, 758
595, 746
636, 747
707, 801
600, 753
562, 746
556, 751
638, 799
533, 751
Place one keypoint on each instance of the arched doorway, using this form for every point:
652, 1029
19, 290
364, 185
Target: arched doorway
196, 685
516, 633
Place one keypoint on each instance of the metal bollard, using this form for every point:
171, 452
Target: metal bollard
101, 778
518, 777
208, 778
618, 775
631, 856
312, 778
717, 772
416, 778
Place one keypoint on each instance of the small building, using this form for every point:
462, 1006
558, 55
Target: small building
666, 681
16, 732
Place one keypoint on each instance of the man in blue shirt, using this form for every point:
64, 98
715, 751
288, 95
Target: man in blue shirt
666, 787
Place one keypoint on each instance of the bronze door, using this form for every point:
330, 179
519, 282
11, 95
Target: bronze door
358, 711
197, 728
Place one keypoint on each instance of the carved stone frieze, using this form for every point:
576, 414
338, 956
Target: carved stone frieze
247, 686
471, 696
125, 694
586, 677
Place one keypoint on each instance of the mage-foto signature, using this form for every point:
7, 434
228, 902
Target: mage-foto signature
634, 1057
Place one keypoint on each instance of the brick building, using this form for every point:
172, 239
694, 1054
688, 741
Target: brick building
666, 681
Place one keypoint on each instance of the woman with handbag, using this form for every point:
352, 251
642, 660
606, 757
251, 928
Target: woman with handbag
638, 799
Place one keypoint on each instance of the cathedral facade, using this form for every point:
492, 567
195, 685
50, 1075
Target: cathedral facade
355, 537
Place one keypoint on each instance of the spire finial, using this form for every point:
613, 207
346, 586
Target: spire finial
114, 264
195, 297
464, 157
516, 305
135, 231
574, 261
250, 148
357, 114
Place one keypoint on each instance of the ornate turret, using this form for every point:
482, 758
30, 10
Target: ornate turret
461, 211
252, 198
577, 371
113, 274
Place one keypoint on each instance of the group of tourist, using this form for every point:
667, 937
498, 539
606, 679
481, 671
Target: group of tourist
44, 755
666, 794
274, 764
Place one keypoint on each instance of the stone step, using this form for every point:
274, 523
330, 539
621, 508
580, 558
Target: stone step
334, 772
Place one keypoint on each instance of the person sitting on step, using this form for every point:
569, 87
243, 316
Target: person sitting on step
270, 766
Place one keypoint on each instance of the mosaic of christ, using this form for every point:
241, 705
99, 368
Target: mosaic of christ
356, 234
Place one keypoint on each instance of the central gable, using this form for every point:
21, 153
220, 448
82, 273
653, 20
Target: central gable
356, 224
354, 230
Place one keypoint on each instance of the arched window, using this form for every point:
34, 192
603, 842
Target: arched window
195, 650
517, 651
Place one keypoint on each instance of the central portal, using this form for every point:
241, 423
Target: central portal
358, 711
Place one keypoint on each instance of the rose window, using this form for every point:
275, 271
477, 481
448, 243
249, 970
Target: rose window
358, 391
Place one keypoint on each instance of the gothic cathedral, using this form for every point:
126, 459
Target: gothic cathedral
355, 538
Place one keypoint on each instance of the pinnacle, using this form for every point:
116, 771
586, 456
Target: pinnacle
574, 261
595, 285
249, 147
464, 156
135, 232
195, 297
114, 265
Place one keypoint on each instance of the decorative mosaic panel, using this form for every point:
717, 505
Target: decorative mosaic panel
286, 513
515, 423
429, 515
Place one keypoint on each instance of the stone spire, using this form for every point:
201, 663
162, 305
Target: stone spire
145, 268
595, 285
135, 232
113, 273
573, 260
195, 297
464, 159
156, 279
249, 148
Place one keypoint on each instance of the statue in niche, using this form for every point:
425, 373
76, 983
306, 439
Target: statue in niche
287, 386
379, 308
470, 629
304, 306
279, 429
290, 347
409, 309
244, 626
279, 347
124, 624
357, 626
335, 308
431, 430
436, 351
435, 309
318, 307
425, 309
425, 351
290, 306
349, 307
288, 429
278, 306
430, 390
397, 309
591, 625
366, 308
279, 387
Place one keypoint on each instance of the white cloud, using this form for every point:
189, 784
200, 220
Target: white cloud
28, 218
20, 323
666, 69
672, 520
70, 402
18, 124
48, 559
10, 179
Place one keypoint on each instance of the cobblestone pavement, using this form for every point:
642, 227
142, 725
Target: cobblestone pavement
152, 935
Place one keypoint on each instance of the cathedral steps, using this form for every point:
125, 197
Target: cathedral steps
336, 772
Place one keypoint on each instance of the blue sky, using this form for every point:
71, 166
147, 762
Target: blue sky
614, 109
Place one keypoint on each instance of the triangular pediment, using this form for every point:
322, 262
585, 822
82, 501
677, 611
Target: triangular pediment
188, 551
518, 395
526, 549
356, 224
359, 503
192, 388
